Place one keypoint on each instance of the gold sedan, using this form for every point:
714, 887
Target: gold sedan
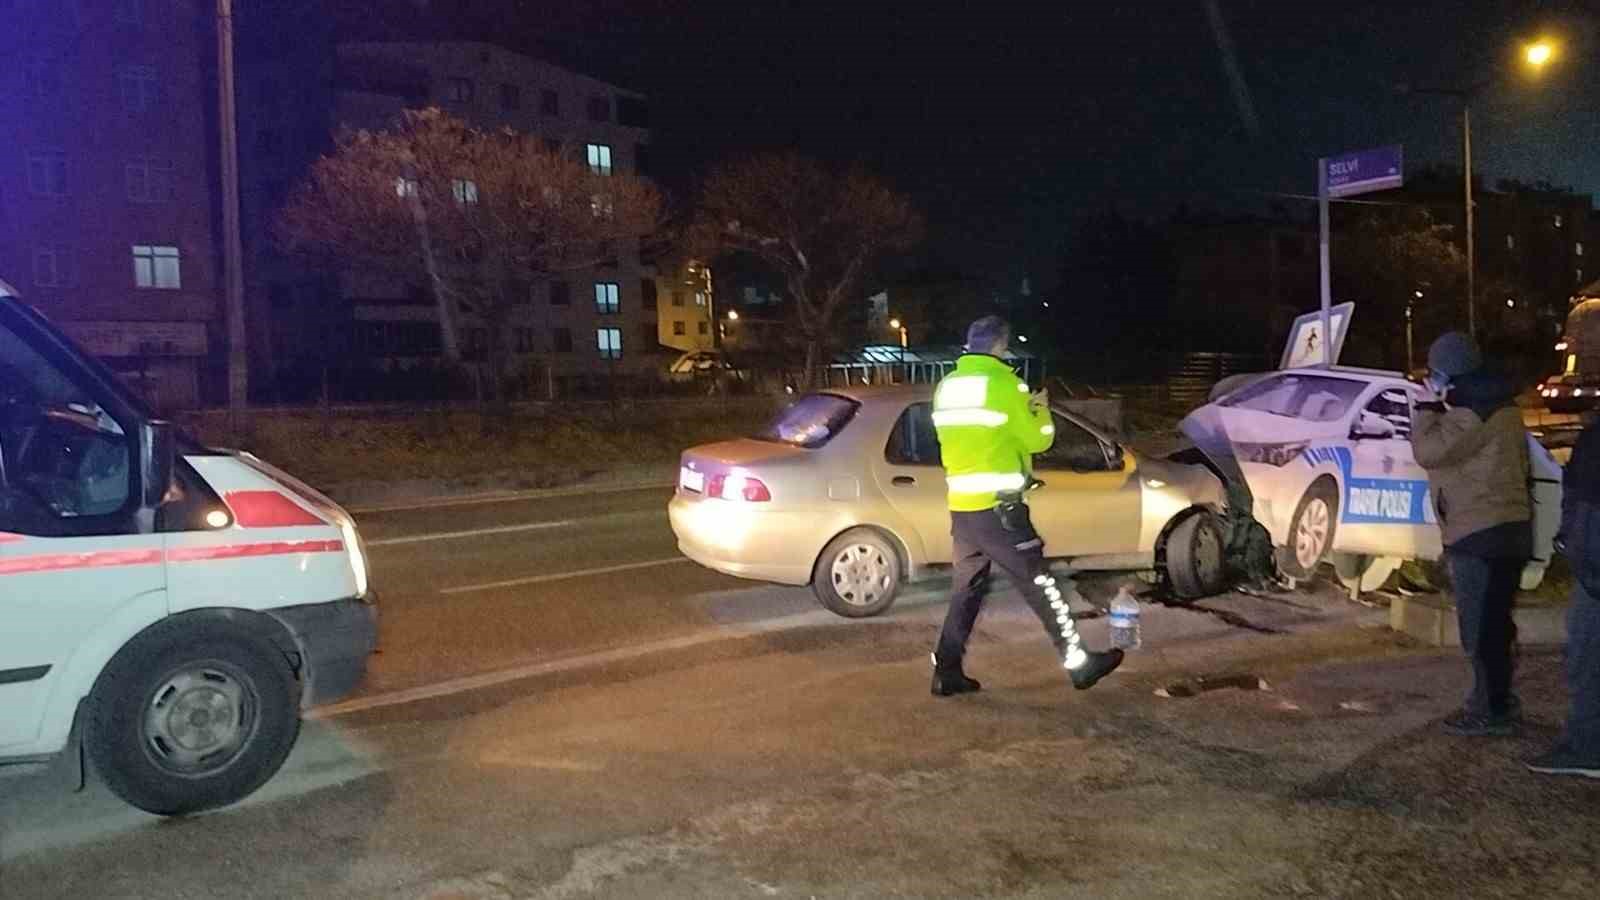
844, 491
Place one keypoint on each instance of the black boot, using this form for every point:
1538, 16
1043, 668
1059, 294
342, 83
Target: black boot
949, 680
1098, 666
948, 684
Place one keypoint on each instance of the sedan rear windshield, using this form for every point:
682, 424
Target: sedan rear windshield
811, 421
1314, 398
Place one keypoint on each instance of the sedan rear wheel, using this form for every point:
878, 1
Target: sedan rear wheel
858, 575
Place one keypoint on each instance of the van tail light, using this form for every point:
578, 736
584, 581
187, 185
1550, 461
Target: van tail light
738, 487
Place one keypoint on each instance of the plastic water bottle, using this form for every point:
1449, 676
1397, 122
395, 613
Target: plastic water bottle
1125, 620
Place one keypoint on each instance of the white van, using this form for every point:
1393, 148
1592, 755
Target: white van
166, 608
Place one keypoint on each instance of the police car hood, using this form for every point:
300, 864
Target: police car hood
1219, 431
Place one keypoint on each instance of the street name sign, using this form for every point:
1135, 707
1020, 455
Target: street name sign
1363, 171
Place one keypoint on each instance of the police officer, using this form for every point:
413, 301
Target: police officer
989, 428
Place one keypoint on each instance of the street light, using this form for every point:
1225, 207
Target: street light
1537, 55
898, 326
733, 315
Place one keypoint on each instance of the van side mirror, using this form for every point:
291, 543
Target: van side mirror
157, 456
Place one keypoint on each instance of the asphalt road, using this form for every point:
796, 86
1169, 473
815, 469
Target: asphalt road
564, 708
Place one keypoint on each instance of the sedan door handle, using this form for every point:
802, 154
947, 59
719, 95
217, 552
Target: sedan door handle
903, 480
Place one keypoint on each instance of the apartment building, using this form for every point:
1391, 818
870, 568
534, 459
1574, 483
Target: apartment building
588, 324
108, 211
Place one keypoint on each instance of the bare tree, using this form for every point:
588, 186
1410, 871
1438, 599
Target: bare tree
481, 216
819, 230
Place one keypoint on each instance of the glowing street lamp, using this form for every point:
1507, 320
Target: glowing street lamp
1539, 53
733, 315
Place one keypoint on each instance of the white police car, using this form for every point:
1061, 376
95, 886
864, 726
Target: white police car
1326, 455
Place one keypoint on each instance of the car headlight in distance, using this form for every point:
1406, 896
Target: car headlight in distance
1275, 454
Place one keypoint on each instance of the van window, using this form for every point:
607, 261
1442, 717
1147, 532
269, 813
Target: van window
64, 463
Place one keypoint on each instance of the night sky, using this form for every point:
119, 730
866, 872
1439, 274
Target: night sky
1006, 121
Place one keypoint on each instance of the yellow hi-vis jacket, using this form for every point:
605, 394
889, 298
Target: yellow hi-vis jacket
988, 431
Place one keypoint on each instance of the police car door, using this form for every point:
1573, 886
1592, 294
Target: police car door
1386, 510
71, 557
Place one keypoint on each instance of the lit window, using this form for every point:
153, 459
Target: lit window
406, 187
1511, 242
699, 298
1558, 221
50, 267
1578, 248
600, 159
140, 89
610, 342
459, 90
605, 297
47, 173
465, 190
157, 267
148, 180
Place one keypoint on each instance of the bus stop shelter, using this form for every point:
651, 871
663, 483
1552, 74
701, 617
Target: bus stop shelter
893, 364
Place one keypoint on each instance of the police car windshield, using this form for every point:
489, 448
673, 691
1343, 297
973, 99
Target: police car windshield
811, 421
1313, 398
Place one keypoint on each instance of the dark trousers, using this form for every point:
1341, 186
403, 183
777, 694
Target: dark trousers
982, 542
1486, 590
1583, 673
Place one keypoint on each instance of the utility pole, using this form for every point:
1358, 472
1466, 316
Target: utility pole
232, 244
1472, 260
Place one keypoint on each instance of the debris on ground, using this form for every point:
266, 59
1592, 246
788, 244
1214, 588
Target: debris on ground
1203, 683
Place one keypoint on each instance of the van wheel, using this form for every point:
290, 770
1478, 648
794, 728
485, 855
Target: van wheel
858, 574
1197, 563
191, 716
1311, 533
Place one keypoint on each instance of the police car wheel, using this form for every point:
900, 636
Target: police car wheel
1196, 560
191, 716
858, 575
1311, 532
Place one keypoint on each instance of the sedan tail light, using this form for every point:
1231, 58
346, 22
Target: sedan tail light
738, 487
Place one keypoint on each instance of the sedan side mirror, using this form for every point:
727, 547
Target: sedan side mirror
1371, 426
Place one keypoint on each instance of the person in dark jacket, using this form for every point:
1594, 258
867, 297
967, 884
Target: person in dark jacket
1578, 751
1470, 439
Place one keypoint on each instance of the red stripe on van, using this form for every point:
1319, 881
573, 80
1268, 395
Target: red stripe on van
239, 551
268, 509
9, 538
53, 562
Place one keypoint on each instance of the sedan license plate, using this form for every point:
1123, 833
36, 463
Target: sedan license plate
692, 480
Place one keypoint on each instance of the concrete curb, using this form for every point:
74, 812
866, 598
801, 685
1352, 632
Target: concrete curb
1432, 620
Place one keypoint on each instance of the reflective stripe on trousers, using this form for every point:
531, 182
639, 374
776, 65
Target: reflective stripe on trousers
1074, 656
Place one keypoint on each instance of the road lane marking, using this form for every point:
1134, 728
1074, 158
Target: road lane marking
584, 661
507, 497
474, 532
563, 576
